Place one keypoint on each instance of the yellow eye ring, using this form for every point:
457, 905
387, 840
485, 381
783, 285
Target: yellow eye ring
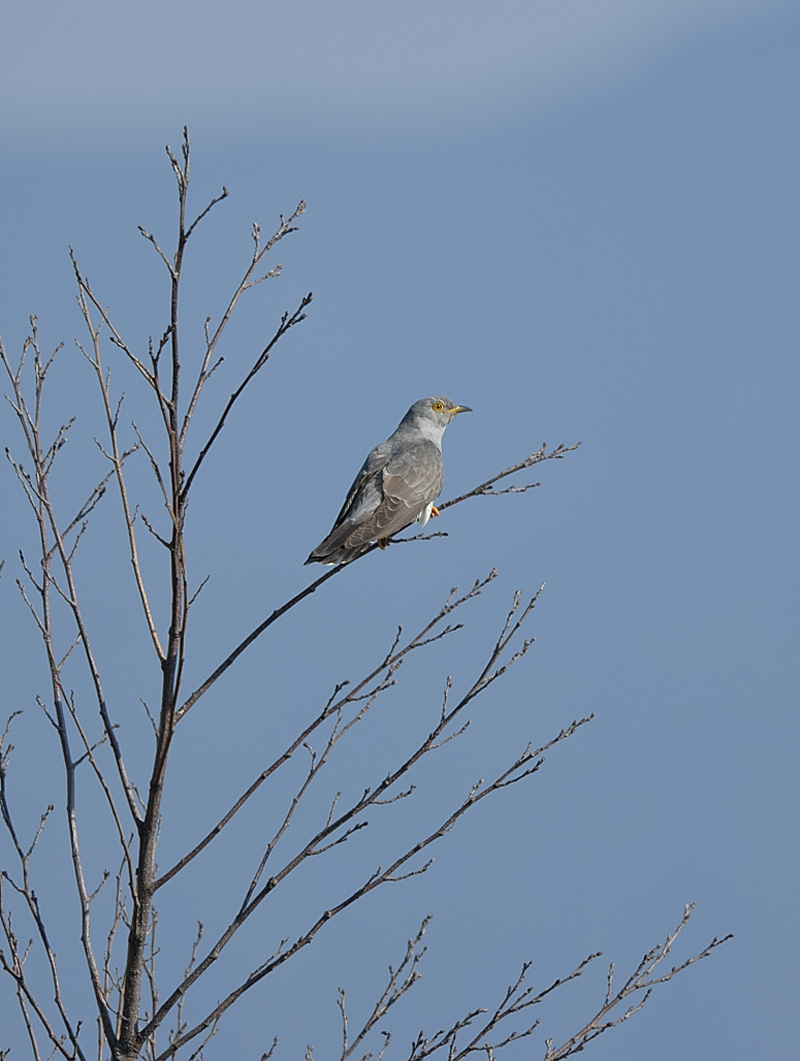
437, 407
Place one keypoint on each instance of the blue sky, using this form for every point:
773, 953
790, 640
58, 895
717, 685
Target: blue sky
581, 220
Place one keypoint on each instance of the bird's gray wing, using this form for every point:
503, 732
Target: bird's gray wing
363, 498
365, 494
410, 480
393, 487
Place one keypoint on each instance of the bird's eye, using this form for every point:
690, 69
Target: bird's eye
437, 407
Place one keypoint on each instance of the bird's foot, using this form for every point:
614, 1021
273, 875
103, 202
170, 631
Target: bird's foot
382, 543
434, 510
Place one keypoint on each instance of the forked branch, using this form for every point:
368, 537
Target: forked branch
636, 990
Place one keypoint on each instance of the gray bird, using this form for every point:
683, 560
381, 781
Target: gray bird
397, 485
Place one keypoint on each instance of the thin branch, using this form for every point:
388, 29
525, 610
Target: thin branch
247, 281
86, 293
117, 457
287, 321
401, 980
251, 637
535, 458
640, 982
15, 968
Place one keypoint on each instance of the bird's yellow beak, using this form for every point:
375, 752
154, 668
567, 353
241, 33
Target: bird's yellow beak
459, 409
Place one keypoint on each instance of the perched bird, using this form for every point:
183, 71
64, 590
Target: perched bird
397, 485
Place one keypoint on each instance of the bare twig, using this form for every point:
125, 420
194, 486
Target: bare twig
287, 321
247, 281
640, 983
535, 458
14, 964
401, 980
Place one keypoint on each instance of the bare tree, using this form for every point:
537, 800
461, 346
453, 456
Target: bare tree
141, 1011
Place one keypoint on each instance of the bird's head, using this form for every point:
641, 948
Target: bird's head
436, 410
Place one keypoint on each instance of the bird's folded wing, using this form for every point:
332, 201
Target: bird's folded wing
387, 495
364, 493
412, 479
